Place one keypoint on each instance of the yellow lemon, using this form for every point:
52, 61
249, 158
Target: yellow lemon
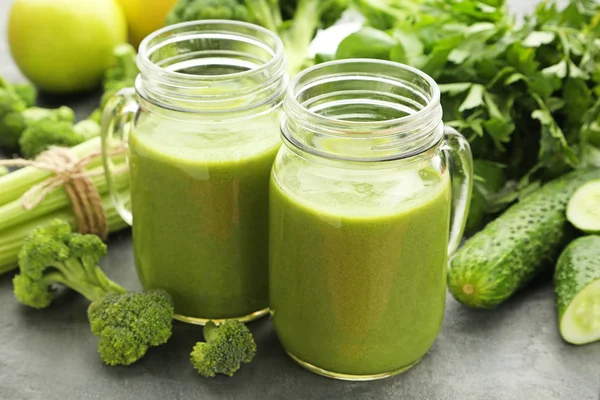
65, 45
145, 16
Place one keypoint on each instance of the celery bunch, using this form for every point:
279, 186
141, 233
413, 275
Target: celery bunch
16, 223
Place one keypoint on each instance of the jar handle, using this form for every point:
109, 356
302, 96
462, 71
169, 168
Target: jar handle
117, 118
458, 154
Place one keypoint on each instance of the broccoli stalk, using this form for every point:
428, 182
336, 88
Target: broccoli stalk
227, 346
122, 74
127, 323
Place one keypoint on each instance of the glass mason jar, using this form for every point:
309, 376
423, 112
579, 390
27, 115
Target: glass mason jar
369, 195
201, 131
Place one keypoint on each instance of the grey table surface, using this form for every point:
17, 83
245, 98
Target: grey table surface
511, 353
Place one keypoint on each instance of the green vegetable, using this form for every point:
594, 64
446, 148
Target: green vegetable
21, 125
27, 92
16, 222
526, 95
516, 247
226, 348
366, 43
385, 14
583, 210
12, 239
42, 135
3, 171
54, 254
39, 136
295, 21
11, 120
127, 323
577, 285
122, 74
14, 99
189, 10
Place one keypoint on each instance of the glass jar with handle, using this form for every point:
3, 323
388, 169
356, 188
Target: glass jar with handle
369, 196
201, 130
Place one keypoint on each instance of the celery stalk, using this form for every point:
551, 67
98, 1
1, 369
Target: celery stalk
13, 213
16, 223
12, 239
15, 184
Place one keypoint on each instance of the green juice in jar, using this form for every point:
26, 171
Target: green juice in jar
200, 205
357, 272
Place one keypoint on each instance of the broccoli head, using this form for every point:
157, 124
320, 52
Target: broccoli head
27, 92
329, 11
54, 254
11, 120
53, 127
43, 134
295, 21
191, 10
36, 114
227, 346
128, 324
14, 100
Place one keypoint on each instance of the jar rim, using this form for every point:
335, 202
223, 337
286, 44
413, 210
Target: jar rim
145, 48
256, 83
362, 92
293, 103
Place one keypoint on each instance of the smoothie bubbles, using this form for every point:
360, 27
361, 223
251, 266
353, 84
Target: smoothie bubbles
201, 130
369, 195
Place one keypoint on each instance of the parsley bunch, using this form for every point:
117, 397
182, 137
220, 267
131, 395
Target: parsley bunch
525, 93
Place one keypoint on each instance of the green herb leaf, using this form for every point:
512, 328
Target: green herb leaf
474, 98
538, 38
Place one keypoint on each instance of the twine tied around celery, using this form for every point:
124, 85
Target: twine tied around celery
69, 172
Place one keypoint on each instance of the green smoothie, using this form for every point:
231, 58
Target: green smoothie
200, 212
357, 273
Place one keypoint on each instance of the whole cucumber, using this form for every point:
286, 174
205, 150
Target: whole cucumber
577, 286
517, 246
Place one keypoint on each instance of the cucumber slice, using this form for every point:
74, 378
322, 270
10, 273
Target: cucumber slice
583, 209
577, 286
581, 321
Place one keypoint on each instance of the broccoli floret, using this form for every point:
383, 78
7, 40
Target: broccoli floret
225, 348
190, 10
54, 254
35, 114
123, 72
27, 92
127, 323
14, 100
43, 134
11, 119
87, 129
45, 128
